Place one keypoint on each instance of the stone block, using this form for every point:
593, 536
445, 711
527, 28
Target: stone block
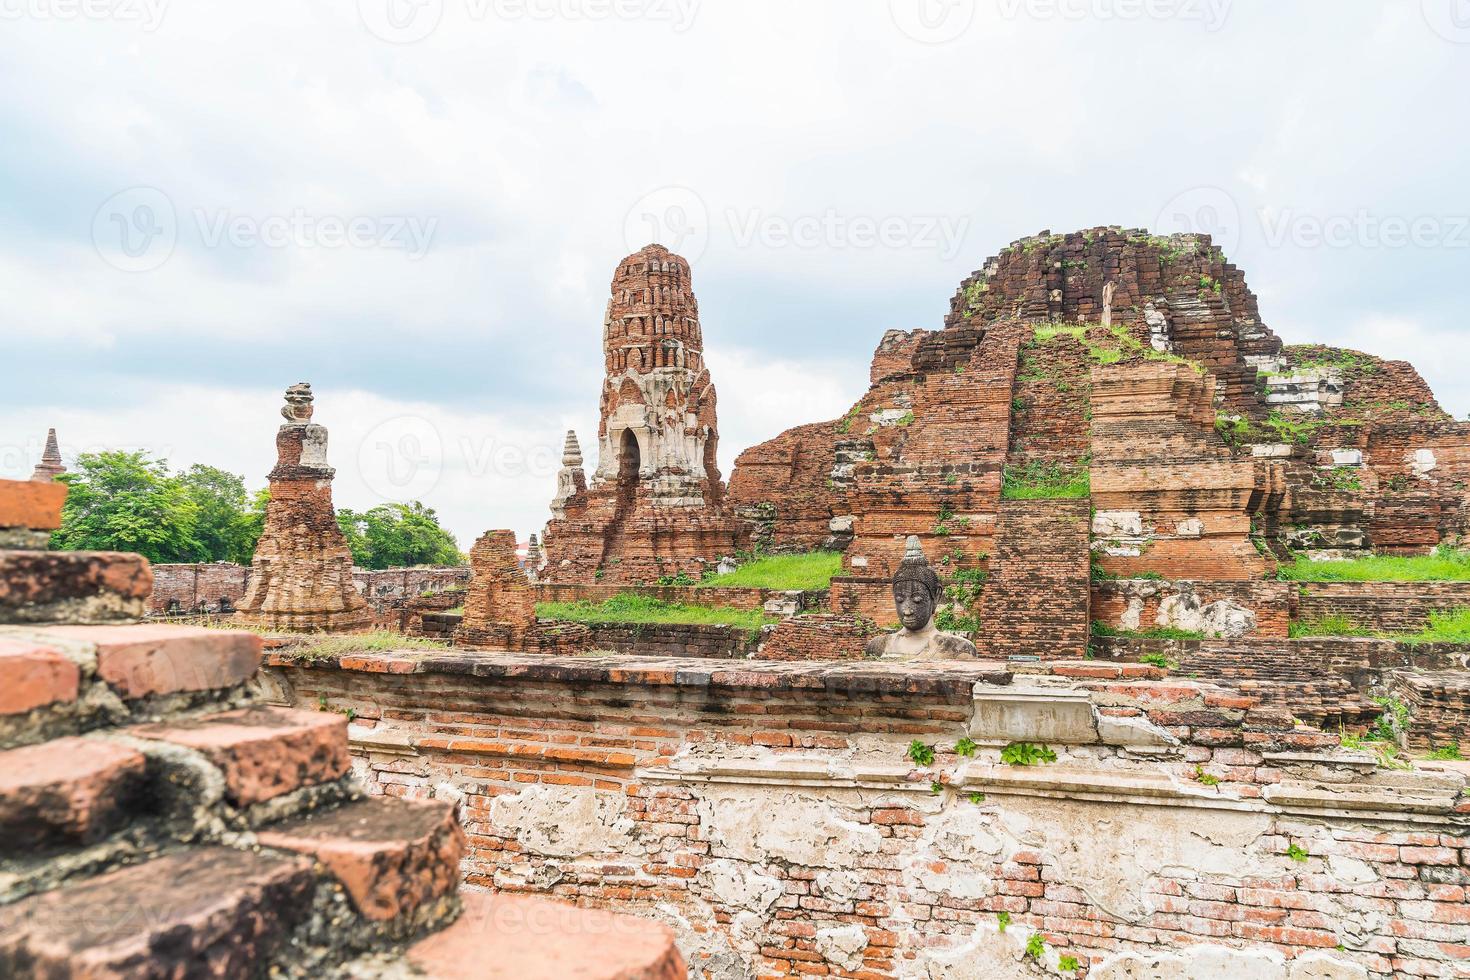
1054, 716
70, 790
32, 676
393, 856
263, 752
149, 659
72, 586
206, 912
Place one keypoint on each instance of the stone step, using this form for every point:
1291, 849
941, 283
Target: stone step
154, 658
205, 912
67, 791
33, 675
393, 856
73, 586
31, 505
515, 937
264, 752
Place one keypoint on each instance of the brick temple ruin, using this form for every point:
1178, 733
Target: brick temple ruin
1151, 770
655, 505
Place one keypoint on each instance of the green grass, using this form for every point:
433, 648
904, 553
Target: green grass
1444, 565
379, 642
1444, 627
1038, 481
630, 609
786, 572
1158, 633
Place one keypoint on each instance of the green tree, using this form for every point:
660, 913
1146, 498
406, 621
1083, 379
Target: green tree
223, 528
398, 536
121, 501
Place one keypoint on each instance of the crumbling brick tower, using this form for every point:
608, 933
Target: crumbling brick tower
301, 576
655, 504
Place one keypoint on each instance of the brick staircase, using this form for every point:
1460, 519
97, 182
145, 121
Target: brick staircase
156, 821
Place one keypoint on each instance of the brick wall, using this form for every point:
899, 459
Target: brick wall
1035, 602
1384, 606
1439, 709
408, 582
1134, 604
818, 637
870, 598
675, 639
744, 599
772, 816
199, 588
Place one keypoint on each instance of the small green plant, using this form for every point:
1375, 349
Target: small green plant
1068, 964
1297, 854
1100, 628
1002, 919
1040, 481
1158, 660
682, 578
936, 787
905, 420
1026, 754
321, 702
1035, 946
1204, 778
921, 754
977, 798
965, 747
1449, 753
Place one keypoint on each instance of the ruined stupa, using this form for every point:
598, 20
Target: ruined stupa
301, 576
654, 506
50, 466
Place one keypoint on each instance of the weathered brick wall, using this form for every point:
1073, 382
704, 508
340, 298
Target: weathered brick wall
744, 599
198, 588
1439, 708
1383, 606
818, 637
1134, 604
773, 817
1035, 602
870, 598
377, 584
675, 639
1169, 497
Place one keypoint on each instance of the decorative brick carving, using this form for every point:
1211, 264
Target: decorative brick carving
655, 505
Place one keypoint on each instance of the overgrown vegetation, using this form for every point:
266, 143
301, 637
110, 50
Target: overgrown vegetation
378, 642
1448, 753
1041, 481
1444, 565
1158, 660
805, 572
631, 608
1100, 628
1444, 627
1026, 754
920, 754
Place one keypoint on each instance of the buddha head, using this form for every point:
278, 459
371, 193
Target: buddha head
916, 588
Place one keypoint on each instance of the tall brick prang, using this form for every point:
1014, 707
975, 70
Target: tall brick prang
654, 506
301, 576
50, 466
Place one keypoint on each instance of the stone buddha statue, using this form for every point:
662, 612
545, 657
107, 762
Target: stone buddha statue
916, 594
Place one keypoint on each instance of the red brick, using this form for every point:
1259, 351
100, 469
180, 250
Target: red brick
210, 910
70, 790
32, 676
535, 939
1428, 855
263, 752
392, 856
31, 504
143, 660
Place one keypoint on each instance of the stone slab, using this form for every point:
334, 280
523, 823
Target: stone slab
66, 791
148, 659
31, 504
33, 676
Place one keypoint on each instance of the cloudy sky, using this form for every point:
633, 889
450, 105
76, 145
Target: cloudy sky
417, 205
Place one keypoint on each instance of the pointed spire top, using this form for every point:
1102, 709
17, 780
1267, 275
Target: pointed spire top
913, 552
571, 454
50, 466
